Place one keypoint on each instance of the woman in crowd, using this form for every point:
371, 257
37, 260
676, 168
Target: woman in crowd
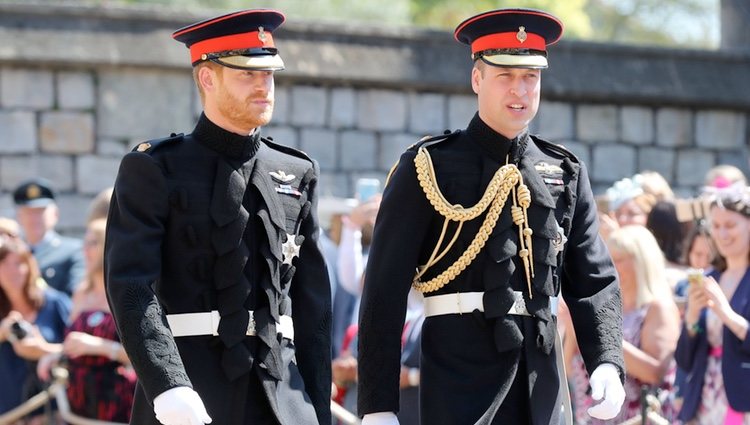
100, 383
34, 317
713, 345
650, 325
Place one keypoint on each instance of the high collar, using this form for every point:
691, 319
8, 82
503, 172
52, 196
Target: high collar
225, 142
494, 143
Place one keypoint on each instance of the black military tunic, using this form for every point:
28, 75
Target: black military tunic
488, 367
197, 223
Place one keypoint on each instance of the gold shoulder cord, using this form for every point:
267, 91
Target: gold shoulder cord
506, 180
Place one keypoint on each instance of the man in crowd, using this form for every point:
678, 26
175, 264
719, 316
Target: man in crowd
60, 258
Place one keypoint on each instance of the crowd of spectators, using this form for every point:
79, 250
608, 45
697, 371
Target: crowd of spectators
683, 266
682, 263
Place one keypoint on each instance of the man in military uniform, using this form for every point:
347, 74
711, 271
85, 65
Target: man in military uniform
213, 271
60, 258
491, 223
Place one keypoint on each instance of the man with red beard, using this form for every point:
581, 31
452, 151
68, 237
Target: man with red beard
220, 294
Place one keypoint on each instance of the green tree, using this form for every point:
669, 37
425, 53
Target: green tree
687, 23
684, 23
448, 13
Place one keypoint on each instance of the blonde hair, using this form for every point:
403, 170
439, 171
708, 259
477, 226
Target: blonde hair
97, 228
657, 186
648, 262
99, 206
724, 175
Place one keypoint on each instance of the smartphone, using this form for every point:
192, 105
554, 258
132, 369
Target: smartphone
366, 188
695, 276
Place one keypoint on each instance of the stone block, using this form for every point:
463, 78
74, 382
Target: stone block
282, 135
309, 106
461, 108
674, 127
334, 184
144, 104
320, 145
636, 125
359, 151
73, 213
740, 158
381, 110
18, 133
660, 160
95, 173
612, 162
555, 121
7, 208
692, 165
391, 148
581, 150
720, 129
75, 90
26, 88
281, 105
596, 123
427, 113
343, 108
55, 168
66, 132
111, 147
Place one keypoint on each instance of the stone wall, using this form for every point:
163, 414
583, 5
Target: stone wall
80, 86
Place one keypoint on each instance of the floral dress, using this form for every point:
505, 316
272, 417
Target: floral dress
713, 408
99, 387
632, 323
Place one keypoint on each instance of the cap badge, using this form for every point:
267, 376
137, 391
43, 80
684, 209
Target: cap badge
33, 192
262, 34
521, 35
143, 147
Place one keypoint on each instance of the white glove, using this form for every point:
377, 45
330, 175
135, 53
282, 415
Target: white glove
605, 382
180, 406
380, 418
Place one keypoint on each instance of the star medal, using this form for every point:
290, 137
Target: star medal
560, 239
290, 249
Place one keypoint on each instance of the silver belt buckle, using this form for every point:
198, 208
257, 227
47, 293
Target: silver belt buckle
519, 305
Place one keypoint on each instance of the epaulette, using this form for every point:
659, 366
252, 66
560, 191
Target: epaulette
286, 149
152, 145
431, 140
555, 147
424, 141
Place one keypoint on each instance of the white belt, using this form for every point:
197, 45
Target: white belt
193, 324
466, 302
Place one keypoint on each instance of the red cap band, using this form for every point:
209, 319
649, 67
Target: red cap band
508, 40
248, 40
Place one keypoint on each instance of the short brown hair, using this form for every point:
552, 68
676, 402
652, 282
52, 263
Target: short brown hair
196, 69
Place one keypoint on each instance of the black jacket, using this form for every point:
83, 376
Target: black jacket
197, 223
469, 362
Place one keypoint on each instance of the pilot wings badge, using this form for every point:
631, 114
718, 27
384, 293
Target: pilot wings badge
282, 177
